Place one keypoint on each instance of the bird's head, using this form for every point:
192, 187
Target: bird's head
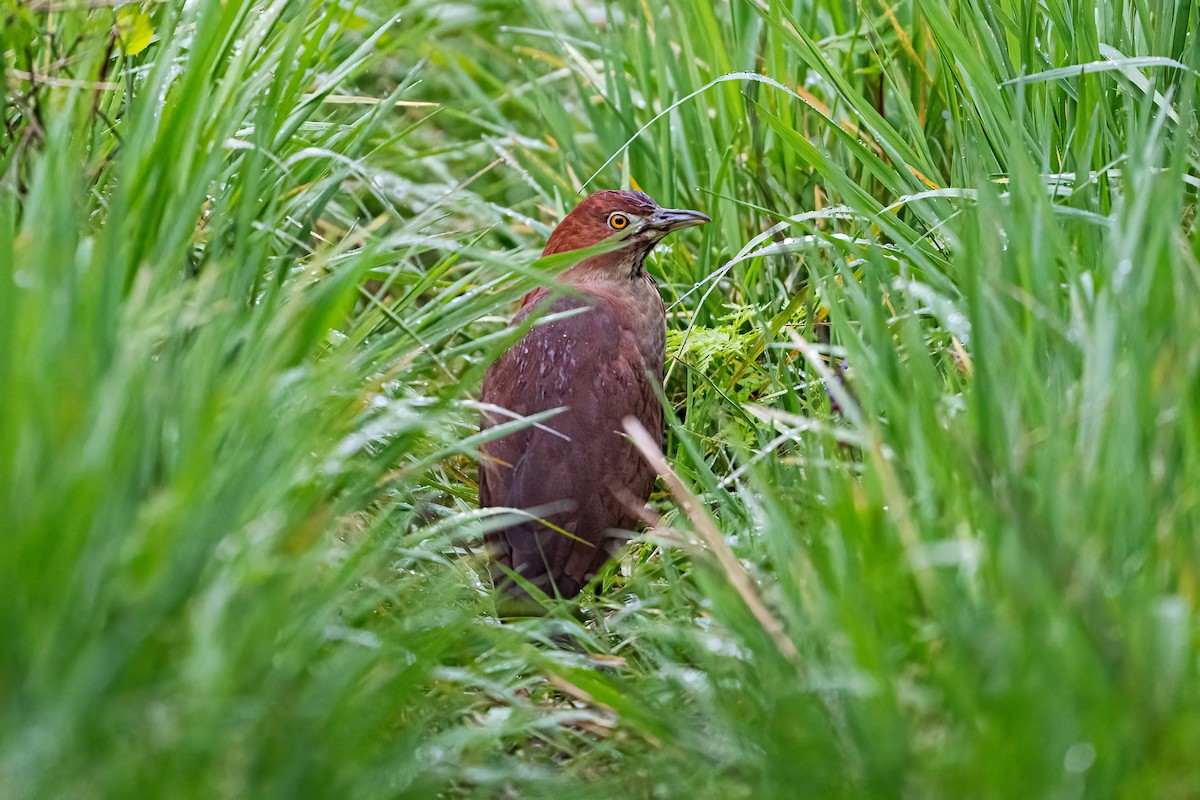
634, 221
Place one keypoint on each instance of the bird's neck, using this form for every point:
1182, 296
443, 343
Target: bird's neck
620, 265
635, 303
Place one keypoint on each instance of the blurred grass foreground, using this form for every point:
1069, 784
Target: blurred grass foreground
254, 257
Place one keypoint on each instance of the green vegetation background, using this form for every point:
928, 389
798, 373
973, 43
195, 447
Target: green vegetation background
254, 257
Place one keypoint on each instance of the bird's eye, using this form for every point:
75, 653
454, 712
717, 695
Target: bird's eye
618, 221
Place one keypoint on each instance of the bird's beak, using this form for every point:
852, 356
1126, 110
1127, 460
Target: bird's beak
672, 219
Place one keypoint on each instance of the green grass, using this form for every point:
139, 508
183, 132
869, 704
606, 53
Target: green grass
246, 300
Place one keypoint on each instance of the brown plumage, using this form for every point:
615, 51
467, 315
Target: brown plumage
577, 470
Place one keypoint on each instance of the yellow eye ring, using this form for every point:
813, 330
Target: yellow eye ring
618, 221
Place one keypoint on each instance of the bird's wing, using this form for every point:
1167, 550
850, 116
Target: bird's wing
577, 465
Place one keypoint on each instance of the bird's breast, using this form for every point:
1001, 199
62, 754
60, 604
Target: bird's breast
609, 350
638, 309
